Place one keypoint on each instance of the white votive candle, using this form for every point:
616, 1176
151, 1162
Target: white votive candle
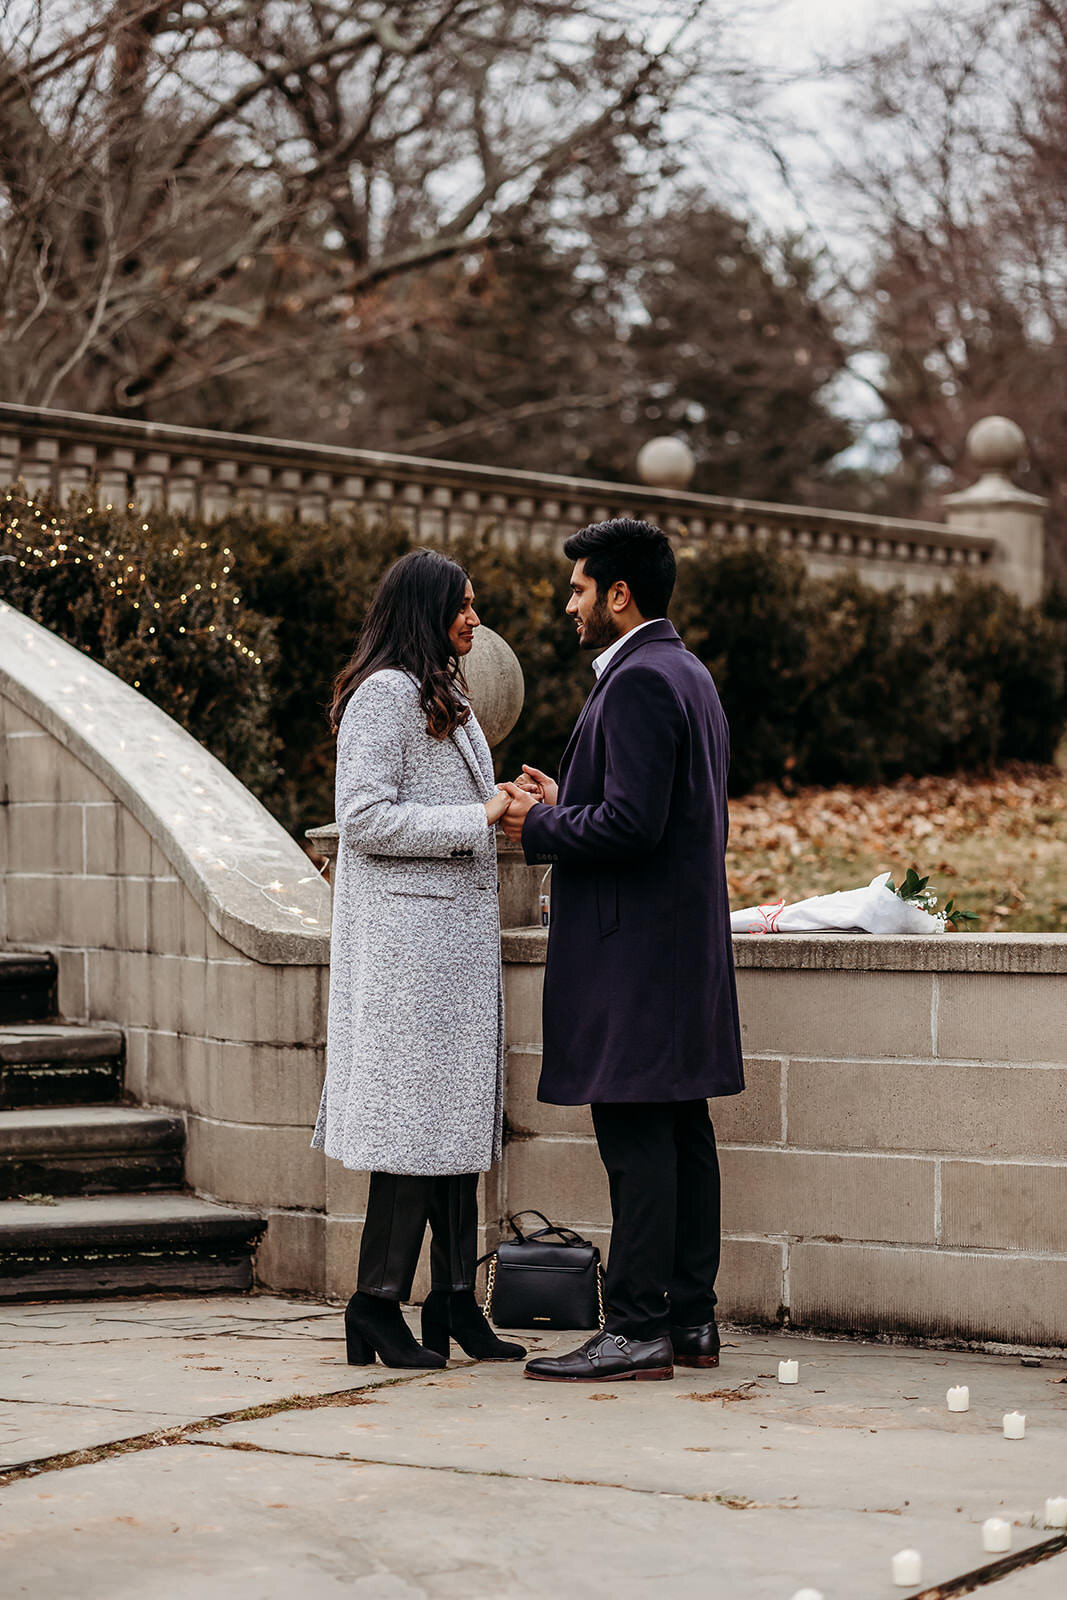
959, 1398
808, 1594
907, 1568
1014, 1425
996, 1534
788, 1371
1056, 1512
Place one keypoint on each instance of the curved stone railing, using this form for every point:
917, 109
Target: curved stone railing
209, 473
253, 883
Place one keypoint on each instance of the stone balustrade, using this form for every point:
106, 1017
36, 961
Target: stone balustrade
210, 473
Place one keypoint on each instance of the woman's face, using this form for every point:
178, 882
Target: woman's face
461, 633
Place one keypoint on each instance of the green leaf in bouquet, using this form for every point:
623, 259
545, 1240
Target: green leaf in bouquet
912, 886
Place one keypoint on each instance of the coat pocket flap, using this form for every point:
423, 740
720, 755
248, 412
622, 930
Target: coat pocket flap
411, 884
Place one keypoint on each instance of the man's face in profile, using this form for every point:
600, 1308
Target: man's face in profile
595, 622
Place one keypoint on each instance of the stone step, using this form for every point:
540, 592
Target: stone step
68, 1150
124, 1245
59, 1063
27, 986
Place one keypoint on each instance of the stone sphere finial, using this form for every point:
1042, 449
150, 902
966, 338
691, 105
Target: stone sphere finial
494, 681
996, 444
666, 463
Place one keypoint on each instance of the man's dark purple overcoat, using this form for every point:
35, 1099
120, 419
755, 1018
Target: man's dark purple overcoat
639, 1000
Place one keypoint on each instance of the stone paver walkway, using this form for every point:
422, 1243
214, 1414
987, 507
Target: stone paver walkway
222, 1448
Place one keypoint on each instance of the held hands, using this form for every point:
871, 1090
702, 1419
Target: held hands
522, 803
539, 784
496, 807
513, 801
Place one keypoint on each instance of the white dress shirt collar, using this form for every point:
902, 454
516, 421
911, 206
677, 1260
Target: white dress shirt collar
605, 657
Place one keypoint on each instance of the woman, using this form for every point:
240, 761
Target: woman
415, 1045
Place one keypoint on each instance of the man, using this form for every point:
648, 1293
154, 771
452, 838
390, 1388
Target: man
640, 1008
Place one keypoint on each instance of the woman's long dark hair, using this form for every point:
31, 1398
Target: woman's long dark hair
406, 626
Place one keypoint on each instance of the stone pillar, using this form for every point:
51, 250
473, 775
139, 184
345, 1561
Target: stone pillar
314, 496
183, 485
253, 485
10, 451
39, 467
75, 470
282, 493
520, 885
216, 495
114, 477
346, 496
150, 480
995, 507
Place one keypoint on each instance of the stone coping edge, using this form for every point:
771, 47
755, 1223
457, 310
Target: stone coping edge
861, 952
255, 885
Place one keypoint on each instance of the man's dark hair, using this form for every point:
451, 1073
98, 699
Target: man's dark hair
625, 550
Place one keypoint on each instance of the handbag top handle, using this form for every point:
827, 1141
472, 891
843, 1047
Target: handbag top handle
568, 1235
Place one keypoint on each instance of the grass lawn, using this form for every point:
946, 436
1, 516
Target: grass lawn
997, 844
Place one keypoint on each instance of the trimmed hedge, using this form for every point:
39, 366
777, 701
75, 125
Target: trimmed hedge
824, 680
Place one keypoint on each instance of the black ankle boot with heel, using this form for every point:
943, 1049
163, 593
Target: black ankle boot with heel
449, 1314
374, 1327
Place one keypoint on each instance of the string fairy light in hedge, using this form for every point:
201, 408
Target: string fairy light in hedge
44, 545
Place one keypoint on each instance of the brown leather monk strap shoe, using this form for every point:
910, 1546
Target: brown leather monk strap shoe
696, 1347
606, 1357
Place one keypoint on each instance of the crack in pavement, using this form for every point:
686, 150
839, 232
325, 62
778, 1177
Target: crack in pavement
733, 1502
87, 1405
178, 1434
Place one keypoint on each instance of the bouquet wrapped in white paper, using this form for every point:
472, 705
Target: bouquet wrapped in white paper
875, 909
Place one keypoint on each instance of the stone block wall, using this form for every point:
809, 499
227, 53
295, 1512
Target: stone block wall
898, 1162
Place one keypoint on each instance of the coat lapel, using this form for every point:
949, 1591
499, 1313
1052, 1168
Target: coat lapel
661, 631
464, 744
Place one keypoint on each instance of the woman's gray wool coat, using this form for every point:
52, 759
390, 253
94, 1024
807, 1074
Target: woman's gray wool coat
415, 1042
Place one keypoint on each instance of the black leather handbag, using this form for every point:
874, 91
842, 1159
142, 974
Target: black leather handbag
549, 1278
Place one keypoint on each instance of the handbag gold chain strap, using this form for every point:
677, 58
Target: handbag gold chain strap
490, 1280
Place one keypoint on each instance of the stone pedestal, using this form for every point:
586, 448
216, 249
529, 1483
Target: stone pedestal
996, 507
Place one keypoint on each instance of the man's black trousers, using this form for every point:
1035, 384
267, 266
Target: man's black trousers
663, 1171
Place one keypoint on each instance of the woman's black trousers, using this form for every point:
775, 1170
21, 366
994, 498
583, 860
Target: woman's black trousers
398, 1209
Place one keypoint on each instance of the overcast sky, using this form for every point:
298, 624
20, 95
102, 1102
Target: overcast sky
800, 43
